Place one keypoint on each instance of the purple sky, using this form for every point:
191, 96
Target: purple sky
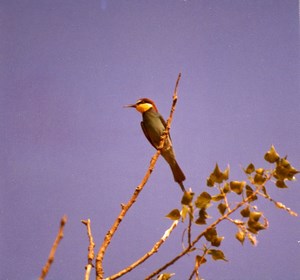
68, 146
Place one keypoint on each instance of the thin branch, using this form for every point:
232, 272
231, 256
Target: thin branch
198, 262
58, 238
154, 250
188, 230
91, 247
225, 198
279, 204
127, 206
191, 210
169, 121
193, 243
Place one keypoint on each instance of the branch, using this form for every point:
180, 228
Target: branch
193, 243
154, 249
58, 238
91, 247
127, 206
168, 124
191, 210
198, 261
279, 204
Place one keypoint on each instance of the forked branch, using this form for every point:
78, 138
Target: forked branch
125, 207
195, 241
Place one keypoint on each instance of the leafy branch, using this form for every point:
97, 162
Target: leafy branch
251, 220
221, 193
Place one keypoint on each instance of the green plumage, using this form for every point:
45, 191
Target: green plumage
153, 126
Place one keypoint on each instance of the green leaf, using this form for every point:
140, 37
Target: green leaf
226, 188
217, 241
202, 217
280, 184
255, 216
174, 215
200, 260
281, 172
203, 200
284, 170
253, 223
271, 156
210, 182
165, 276
200, 221
217, 255
240, 236
217, 197
260, 171
222, 208
217, 176
245, 212
250, 169
237, 186
254, 227
210, 234
187, 198
226, 174
259, 179
249, 192
252, 230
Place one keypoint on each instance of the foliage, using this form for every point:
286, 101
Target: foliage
250, 221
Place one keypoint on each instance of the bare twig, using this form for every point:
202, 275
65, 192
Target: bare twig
188, 230
154, 250
279, 204
58, 238
91, 247
127, 206
191, 210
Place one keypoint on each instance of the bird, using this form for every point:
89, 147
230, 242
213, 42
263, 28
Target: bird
153, 126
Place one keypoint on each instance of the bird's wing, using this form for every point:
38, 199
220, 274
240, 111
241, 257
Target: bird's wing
165, 124
146, 134
162, 120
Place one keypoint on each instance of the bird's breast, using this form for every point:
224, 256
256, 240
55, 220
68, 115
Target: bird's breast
154, 126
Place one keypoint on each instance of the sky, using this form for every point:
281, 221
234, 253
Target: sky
68, 146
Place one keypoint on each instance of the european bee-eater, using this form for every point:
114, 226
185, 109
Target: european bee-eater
153, 126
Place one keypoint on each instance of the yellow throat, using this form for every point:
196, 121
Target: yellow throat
143, 107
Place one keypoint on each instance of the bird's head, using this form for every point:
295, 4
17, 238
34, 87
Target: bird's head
143, 105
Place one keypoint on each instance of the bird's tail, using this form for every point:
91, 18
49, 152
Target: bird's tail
178, 174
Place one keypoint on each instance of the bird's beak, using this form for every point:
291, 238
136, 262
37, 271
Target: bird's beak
130, 106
